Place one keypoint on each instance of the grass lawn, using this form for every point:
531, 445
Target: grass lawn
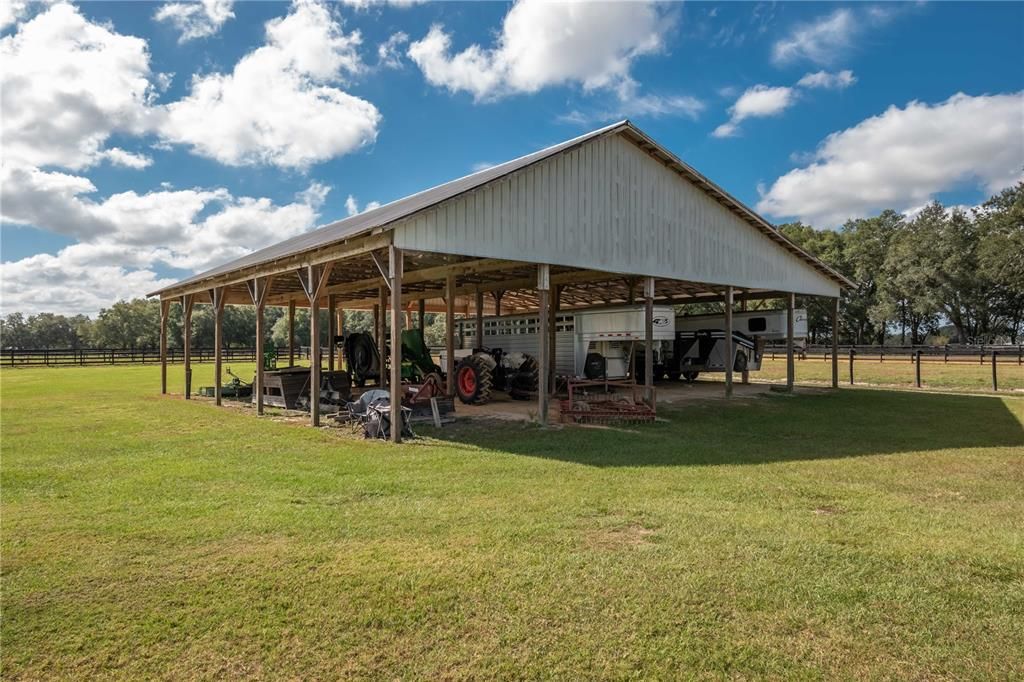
853, 534
960, 376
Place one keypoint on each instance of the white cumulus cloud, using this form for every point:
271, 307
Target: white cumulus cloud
127, 236
820, 41
352, 206
830, 81
545, 44
67, 85
757, 101
280, 105
196, 19
904, 156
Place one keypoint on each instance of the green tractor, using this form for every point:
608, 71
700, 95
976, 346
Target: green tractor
365, 365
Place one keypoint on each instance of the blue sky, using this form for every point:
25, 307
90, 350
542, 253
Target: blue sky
145, 141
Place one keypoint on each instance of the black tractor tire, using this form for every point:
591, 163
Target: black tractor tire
595, 366
361, 352
473, 381
527, 376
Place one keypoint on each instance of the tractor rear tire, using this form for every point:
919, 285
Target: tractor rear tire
473, 381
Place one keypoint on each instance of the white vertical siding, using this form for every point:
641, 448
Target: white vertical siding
608, 205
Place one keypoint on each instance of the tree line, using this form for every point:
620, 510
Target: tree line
136, 324
941, 276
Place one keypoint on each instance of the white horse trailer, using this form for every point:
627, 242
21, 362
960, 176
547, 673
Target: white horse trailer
769, 325
700, 341
605, 335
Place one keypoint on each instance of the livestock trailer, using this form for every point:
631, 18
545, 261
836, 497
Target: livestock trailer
594, 343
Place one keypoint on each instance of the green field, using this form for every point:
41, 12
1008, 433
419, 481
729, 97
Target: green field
852, 534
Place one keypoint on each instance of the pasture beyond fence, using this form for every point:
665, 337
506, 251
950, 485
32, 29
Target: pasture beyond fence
994, 356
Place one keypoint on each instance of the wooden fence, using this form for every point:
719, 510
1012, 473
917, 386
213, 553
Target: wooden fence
54, 357
978, 355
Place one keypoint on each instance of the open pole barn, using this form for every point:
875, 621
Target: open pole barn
606, 218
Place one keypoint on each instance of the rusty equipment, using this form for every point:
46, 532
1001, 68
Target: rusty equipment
610, 406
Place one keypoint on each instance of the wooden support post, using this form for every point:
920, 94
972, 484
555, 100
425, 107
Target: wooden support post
291, 334
729, 351
217, 299
313, 279
186, 332
497, 294
165, 311
332, 321
852, 353
479, 319
649, 339
340, 324
449, 334
382, 328
544, 359
745, 376
835, 342
423, 319
790, 366
395, 271
917, 369
258, 289
995, 380
552, 330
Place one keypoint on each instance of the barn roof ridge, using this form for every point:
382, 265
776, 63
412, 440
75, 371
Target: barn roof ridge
381, 217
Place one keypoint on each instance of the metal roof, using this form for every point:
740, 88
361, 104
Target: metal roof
381, 217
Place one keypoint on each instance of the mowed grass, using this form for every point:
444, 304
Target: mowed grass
850, 534
959, 376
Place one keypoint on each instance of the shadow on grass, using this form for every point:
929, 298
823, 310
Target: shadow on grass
772, 428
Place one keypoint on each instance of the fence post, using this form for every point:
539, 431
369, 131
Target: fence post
917, 369
995, 382
881, 355
945, 354
852, 353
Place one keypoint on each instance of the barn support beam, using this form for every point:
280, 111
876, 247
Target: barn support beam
186, 332
649, 339
729, 351
552, 341
835, 342
382, 330
340, 329
313, 278
449, 334
258, 289
479, 319
498, 295
544, 361
217, 299
331, 322
422, 313
790, 367
291, 333
165, 311
395, 273
745, 376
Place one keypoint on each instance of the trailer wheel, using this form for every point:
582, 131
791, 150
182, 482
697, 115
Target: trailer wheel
741, 362
689, 375
595, 366
473, 381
